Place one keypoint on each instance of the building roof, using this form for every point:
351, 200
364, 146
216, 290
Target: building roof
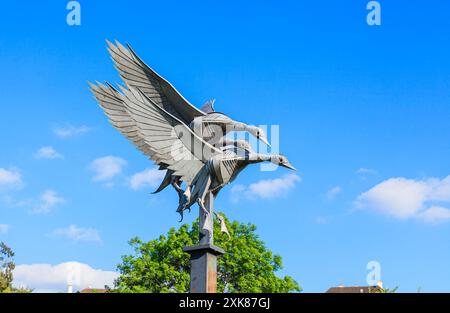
353, 289
93, 290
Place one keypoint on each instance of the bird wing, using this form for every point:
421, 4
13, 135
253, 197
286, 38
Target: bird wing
174, 143
139, 75
112, 103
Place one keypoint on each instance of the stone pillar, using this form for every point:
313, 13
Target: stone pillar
203, 267
204, 255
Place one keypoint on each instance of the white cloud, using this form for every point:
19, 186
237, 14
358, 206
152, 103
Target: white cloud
55, 278
68, 131
11, 178
48, 200
364, 170
148, 177
333, 192
107, 167
272, 188
238, 188
435, 214
4, 228
76, 233
10, 201
47, 153
440, 189
266, 189
399, 197
408, 198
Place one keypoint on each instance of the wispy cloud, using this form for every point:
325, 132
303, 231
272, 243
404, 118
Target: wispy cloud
107, 167
76, 233
68, 131
404, 198
48, 200
435, 214
266, 189
364, 173
147, 178
10, 178
47, 153
4, 228
54, 278
333, 192
363, 170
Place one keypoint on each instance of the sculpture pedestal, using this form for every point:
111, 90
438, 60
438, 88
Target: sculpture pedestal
204, 267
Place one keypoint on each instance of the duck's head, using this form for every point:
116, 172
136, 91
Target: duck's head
281, 160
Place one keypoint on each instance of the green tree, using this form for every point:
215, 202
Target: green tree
160, 265
382, 290
7, 267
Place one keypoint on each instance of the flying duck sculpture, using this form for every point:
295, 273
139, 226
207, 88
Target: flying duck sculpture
209, 125
187, 142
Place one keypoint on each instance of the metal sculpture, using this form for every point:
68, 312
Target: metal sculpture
187, 142
210, 125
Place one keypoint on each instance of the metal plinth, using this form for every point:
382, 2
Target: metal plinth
203, 267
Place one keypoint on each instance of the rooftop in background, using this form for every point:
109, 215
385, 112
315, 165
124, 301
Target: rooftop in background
353, 289
357, 289
93, 290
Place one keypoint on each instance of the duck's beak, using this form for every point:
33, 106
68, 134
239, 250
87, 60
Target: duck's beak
264, 140
288, 165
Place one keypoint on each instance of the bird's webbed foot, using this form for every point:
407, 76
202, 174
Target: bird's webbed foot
208, 221
202, 206
181, 212
181, 217
183, 197
186, 198
178, 189
223, 225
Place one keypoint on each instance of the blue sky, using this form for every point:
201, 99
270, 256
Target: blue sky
363, 114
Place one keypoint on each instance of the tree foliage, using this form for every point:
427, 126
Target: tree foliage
7, 266
383, 290
160, 265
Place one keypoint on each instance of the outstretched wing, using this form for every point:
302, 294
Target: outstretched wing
112, 103
173, 142
137, 74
